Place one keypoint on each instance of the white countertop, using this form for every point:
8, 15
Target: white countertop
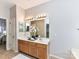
42, 41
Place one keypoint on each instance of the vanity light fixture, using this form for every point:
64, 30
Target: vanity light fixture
41, 16
29, 18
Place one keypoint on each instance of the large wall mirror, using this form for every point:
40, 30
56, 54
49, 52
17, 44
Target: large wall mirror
37, 26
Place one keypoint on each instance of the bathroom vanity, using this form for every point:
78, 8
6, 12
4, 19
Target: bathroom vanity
37, 48
35, 27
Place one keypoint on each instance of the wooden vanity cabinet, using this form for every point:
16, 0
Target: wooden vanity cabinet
34, 49
42, 51
23, 46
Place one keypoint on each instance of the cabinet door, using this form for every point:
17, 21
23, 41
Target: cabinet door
23, 49
33, 49
19, 45
23, 46
42, 53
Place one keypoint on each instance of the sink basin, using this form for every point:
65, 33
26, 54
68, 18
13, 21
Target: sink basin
31, 39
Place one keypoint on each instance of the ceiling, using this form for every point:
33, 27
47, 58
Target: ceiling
23, 3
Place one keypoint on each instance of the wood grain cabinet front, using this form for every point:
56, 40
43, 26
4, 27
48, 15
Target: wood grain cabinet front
23, 46
42, 51
34, 49
42, 54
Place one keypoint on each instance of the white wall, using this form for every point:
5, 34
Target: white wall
64, 22
4, 13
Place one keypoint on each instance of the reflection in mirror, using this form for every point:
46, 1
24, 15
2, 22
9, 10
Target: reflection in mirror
37, 26
27, 27
47, 30
40, 25
21, 27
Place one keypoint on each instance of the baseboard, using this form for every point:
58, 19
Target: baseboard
16, 51
55, 57
8, 49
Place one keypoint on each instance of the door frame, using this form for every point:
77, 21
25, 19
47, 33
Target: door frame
7, 36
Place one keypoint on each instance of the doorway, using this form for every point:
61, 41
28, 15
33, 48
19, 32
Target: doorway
3, 34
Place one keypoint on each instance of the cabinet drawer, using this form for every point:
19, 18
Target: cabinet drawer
21, 42
32, 44
42, 45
